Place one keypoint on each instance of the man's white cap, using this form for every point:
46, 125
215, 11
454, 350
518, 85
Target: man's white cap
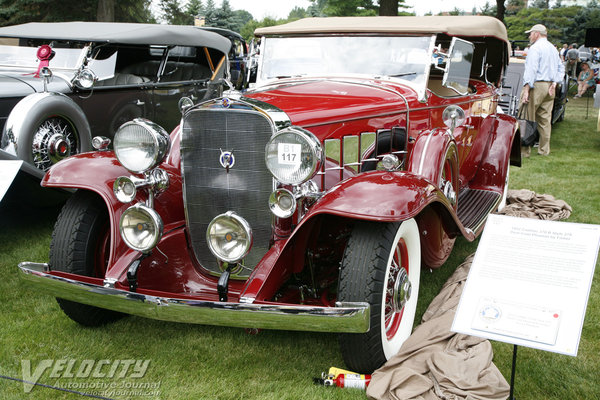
538, 28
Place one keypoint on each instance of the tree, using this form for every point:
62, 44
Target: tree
544, 4
106, 10
21, 11
209, 12
316, 8
248, 30
194, 8
223, 17
564, 24
242, 18
344, 8
514, 6
134, 11
297, 13
173, 14
388, 7
332, 8
500, 9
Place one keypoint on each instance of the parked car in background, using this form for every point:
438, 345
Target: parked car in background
513, 84
61, 83
309, 202
238, 56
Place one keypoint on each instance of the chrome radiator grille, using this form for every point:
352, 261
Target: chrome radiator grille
210, 189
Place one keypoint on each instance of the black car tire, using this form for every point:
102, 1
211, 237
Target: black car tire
41, 108
80, 245
375, 257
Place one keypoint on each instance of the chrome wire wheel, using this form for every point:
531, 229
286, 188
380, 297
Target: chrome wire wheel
55, 139
398, 290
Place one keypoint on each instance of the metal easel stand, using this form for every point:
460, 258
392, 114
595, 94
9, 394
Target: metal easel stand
511, 395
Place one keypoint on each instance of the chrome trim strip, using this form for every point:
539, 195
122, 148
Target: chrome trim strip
424, 153
345, 317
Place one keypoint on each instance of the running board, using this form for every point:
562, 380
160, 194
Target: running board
474, 206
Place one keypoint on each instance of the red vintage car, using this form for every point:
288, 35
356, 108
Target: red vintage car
310, 201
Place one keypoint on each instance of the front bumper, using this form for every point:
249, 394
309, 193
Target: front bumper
345, 317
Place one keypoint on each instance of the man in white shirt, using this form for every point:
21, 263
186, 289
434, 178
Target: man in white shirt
543, 71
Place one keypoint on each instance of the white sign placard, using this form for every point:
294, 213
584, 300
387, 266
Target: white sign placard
529, 283
8, 171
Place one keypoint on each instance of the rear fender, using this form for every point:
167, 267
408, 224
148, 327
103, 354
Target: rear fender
504, 149
428, 154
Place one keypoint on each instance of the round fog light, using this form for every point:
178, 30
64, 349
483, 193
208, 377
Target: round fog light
282, 203
124, 189
229, 237
141, 227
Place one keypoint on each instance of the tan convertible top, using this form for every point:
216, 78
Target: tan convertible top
470, 26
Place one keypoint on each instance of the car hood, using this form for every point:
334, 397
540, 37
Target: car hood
20, 85
318, 102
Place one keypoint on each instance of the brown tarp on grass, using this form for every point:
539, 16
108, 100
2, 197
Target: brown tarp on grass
435, 363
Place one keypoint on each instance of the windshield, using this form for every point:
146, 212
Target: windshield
26, 58
406, 58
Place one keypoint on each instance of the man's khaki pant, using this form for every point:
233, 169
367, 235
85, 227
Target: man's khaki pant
540, 105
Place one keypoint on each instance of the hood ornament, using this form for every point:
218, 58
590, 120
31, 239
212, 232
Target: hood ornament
227, 160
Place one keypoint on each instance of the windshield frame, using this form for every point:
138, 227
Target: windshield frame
422, 75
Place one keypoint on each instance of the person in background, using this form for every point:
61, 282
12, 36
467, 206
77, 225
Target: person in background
543, 71
571, 58
585, 53
563, 52
585, 80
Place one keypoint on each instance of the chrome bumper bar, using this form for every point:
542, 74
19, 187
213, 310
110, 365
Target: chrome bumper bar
345, 317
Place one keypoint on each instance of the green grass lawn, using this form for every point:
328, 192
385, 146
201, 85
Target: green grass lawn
203, 362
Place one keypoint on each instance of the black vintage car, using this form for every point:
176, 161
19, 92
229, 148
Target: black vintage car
63, 83
238, 56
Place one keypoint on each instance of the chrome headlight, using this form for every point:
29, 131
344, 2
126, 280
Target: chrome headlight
141, 145
141, 227
229, 237
293, 156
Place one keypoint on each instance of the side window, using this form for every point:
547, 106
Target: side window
133, 66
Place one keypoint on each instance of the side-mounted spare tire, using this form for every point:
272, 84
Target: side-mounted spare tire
81, 245
45, 128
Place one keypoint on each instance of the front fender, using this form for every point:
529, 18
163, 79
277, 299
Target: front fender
94, 171
381, 196
97, 172
372, 196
